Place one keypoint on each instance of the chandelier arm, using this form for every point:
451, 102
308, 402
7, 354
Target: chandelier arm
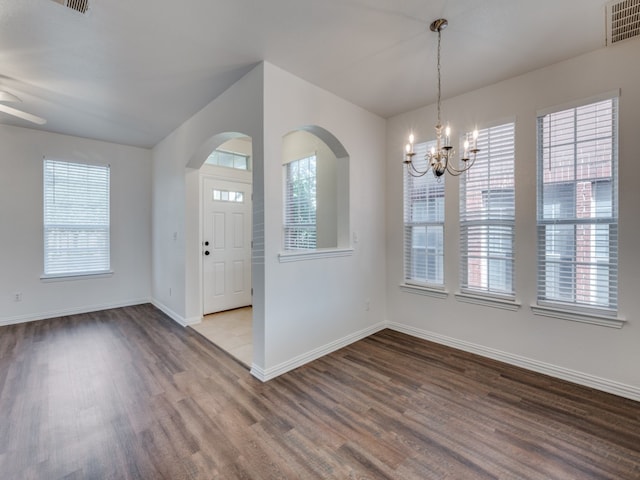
414, 172
456, 172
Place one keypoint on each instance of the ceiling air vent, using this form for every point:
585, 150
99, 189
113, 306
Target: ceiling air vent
81, 6
623, 20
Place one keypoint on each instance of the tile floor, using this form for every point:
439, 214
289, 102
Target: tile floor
231, 331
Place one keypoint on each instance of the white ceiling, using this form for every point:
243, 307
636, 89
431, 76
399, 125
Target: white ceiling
131, 71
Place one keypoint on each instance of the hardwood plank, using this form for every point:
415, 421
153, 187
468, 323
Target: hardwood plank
128, 394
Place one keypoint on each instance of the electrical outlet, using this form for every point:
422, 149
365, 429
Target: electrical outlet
17, 297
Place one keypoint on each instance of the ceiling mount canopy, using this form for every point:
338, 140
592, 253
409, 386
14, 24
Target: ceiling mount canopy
439, 159
439, 25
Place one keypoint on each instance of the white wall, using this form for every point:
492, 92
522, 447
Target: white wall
301, 309
595, 355
240, 145
316, 304
21, 237
177, 159
306, 308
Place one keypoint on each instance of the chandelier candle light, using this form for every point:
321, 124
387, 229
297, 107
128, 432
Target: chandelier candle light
440, 157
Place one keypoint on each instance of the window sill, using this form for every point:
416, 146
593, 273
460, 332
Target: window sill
503, 303
301, 255
75, 276
424, 290
576, 316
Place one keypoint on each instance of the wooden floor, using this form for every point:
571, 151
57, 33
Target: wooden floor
127, 393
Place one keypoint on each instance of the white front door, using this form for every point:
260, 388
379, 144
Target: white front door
226, 245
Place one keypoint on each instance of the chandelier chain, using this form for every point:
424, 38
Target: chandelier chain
439, 87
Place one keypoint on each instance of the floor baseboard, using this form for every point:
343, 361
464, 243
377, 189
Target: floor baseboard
562, 373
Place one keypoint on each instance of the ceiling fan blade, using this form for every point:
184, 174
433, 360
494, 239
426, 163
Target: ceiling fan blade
8, 97
23, 115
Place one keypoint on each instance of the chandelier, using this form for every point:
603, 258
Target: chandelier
439, 158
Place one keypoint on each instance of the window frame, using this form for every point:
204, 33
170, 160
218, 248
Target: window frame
234, 156
433, 191
289, 226
57, 223
477, 224
547, 304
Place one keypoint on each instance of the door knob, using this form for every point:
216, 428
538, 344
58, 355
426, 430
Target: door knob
206, 244
206, 252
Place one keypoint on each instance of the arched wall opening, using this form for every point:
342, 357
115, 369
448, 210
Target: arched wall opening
316, 190
204, 179
213, 143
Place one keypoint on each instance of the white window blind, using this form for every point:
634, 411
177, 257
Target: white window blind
578, 206
487, 214
76, 218
300, 204
423, 223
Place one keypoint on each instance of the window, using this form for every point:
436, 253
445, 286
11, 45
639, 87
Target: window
300, 204
315, 196
423, 224
228, 196
223, 158
487, 215
76, 219
577, 206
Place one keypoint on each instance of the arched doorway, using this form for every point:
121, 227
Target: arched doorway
226, 242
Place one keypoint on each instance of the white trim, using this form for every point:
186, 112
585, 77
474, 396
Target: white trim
69, 311
425, 290
580, 378
489, 301
201, 224
66, 180
298, 256
245, 179
576, 316
259, 373
603, 315
277, 370
312, 153
75, 276
490, 124
579, 102
180, 320
192, 321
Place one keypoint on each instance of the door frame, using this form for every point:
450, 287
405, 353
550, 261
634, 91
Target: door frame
227, 175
